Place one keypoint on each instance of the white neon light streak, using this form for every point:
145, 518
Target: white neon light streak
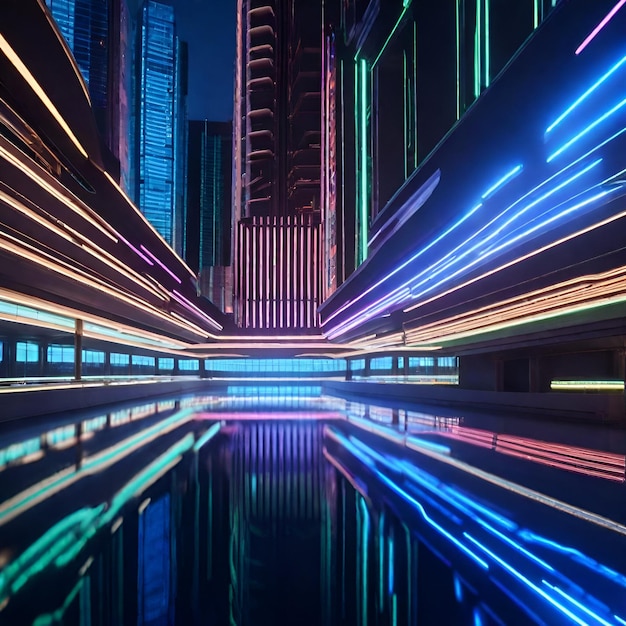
69, 203
41, 94
592, 35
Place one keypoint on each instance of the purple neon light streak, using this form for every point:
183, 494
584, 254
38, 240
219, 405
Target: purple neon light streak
194, 309
135, 250
600, 26
160, 263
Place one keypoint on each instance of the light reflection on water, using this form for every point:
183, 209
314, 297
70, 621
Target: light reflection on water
278, 505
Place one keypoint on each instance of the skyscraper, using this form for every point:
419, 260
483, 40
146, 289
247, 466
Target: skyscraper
97, 33
208, 214
160, 90
277, 161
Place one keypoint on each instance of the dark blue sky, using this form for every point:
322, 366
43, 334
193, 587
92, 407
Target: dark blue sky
208, 26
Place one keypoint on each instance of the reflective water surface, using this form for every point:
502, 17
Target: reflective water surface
279, 505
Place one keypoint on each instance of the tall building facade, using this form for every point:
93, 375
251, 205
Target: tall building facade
277, 164
160, 120
208, 215
98, 34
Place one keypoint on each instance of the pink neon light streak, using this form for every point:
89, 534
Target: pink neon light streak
194, 309
600, 26
159, 262
137, 252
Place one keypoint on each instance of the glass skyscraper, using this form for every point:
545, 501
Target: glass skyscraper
160, 110
96, 32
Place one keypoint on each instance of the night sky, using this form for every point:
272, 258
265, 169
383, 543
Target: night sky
208, 26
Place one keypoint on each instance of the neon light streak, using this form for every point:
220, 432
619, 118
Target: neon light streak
210, 433
364, 204
620, 620
365, 531
160, 263
146, 222
515, 545
577, 604
516, 170
41, 94
417, 505
487, 45
536, 13
509, 568
583, 132
600, 26
509, 241
194, 309
585, 95
94, 220
135, 250
433, 270
409, 261
405, 4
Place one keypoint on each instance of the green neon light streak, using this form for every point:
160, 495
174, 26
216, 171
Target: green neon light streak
364, 520
406, 5
414, 105
56, 617
406, 114
381, 558
363, 143
487, 44
536, 13
63, 542
213, 430
477, 51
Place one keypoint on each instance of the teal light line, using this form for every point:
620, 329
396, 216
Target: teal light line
487, 45
406, 5
364, 163
210, 433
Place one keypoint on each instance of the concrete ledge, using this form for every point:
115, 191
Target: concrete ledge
24, 402
589, 407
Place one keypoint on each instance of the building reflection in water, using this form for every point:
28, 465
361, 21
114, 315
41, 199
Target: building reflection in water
296, 510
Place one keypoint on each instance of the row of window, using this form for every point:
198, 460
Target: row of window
63, 355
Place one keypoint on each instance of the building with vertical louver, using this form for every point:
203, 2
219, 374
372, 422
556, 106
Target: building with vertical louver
160, 89
277, 164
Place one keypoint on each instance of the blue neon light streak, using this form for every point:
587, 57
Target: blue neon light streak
508, 524
618, 578
577, 604
508, 240
500, 183
619, 619
515, 545
424, 443
583, 132
526, 581
423, 250
372, 309
405, 496
587, 93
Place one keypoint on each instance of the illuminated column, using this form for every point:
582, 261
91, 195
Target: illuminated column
362, 90
78, 349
